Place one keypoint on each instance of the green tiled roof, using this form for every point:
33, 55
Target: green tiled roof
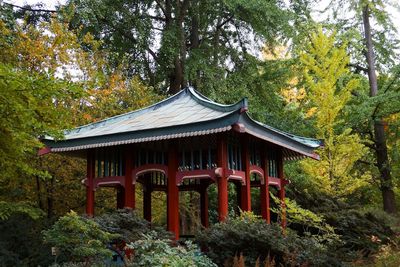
188, 113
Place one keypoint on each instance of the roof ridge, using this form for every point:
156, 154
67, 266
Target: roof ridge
201, 99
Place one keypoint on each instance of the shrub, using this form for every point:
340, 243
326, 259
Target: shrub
255, 239
128, 225
389, 256
360, 232
151, 251
21, 242
79, 238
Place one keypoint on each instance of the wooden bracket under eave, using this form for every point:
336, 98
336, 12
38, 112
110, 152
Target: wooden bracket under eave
239, 127
43, 151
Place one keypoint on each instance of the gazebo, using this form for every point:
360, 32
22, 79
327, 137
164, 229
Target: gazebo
184, 143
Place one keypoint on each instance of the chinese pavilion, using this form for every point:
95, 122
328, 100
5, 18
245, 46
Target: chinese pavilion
185, 142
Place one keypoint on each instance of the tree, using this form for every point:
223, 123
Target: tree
201, 42
380, 146
373, 51
329, 86
45, 68
34, 102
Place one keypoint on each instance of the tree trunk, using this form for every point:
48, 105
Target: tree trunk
195, 39
50, 198
389, 204
38, 191
177, 76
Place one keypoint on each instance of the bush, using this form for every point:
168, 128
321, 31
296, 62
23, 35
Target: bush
255, 239
21, 242
79, 239
389, 256
360, 232
151, 251
128, 225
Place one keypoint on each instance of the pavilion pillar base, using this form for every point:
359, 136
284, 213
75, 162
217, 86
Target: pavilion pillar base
264, 189
90, 170
147, 199
282, 189
283, 206
204, 207
120, 197
222, 199
264, 198
245, 199
238, 190
129, 190
89, 202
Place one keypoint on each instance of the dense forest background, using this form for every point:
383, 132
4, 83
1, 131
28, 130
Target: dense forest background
337, 79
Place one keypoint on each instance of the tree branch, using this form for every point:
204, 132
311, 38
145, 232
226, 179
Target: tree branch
220, 25
396, 76
366, 162
358, 67
128, 36
27, 8
183, 9
161, 7
371, 146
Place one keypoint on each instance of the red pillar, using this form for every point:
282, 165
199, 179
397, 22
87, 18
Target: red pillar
222, 182
245, 199
172, 192
238, 188
264, 189
120, 197
282, 189
204, 206
129, 187
147, 198
90, 187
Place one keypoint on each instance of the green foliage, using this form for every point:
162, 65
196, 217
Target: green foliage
79, 238
129, 226
27, 112
152, 251
255, 239
21, 242
389, 256
361, 233
193, 48
329, 87
305, 222
384, 31
7, 209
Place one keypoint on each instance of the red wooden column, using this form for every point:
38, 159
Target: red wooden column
264, 188
245, 199
238, 188
204, 205
90, 186
222, 181
282, 189
120, 197
129, 186
172, 192
147, 197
